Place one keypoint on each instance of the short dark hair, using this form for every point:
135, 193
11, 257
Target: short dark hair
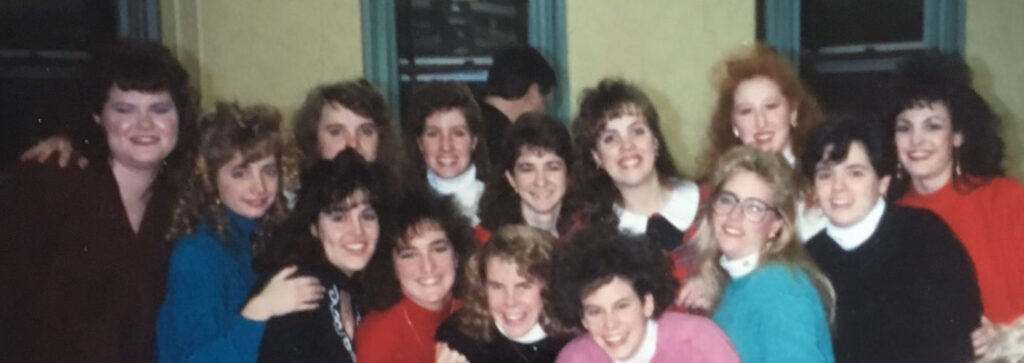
327, 186
831, 142
500, 204
437, 97
595, 257
516, 68
930, 77
417, 206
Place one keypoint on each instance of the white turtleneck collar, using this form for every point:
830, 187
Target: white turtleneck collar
648, 347
681, 210
849, 238
535, 334
464, 187
740, 267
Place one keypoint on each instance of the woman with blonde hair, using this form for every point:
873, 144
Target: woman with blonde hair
775, 303
505, 316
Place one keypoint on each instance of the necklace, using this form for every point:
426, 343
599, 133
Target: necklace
515, 347
412, 328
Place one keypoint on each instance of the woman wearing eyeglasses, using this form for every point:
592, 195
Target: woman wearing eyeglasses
775, 303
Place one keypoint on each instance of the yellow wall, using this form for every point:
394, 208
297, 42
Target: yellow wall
668, 48
995, 52
266, 51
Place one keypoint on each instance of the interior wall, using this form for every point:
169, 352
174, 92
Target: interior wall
668, 48
264, 51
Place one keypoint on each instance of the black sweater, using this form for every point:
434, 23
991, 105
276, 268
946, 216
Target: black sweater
907, 294
311, 336
500, 348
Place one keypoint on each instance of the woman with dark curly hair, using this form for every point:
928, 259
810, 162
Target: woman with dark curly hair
83, 249
775, 303
534, 188
208, 314
443, 142
346, 115
331, 235
617, 287
950, 162
505, 317
763, 103
413, 281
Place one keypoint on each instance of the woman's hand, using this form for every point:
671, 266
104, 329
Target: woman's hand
284, 294
444, 354
982, 336
59, 145
695, 295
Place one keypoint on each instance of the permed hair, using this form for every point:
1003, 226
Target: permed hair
748, 63
146, 67
419, 210
933, 77
360, 97
612, 98
784, 248
530, 249
515, 69
328, 186
598, 255
532, 132
255, 133
438, 97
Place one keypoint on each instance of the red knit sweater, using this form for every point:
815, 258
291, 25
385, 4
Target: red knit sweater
989, 221
403, 333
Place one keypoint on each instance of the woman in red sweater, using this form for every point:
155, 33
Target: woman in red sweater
950, 159
411, 283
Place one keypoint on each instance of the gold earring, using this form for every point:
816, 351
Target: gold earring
956, 163
899, 171
736, 132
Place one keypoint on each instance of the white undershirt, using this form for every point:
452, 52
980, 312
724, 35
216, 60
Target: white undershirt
535, 334
681, 210
740, 267
648, 347
464, 187
849, 238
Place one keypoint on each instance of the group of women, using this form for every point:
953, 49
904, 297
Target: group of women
191, 239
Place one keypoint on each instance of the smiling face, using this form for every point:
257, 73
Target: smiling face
626, 149
848, 190
141, 128
616, 318
761, 114
925, 142
349, 235
447, 143
248, 189
743, 219
539, 177
513, 299
340, 128
425, 266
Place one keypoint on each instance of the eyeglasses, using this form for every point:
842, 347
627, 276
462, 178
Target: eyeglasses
754, 210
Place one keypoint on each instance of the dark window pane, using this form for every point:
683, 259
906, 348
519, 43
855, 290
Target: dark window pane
826, 23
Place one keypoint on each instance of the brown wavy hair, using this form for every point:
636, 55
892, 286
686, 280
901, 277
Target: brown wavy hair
530, 249
612, 98
785, 248
360, 97
255, 133
438, 97
757, 61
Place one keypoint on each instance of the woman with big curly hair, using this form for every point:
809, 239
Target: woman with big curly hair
506, 316
617, 288
950, 162
208, 314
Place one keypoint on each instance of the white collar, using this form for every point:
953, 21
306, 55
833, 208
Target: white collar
648, 347
849, 238
740, 267
452, 185
680, 210
535, 334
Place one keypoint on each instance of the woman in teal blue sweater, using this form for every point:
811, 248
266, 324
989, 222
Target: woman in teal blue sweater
775, 304
208, 315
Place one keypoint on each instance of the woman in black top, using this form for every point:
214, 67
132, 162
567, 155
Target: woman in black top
331, 235
505, 317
